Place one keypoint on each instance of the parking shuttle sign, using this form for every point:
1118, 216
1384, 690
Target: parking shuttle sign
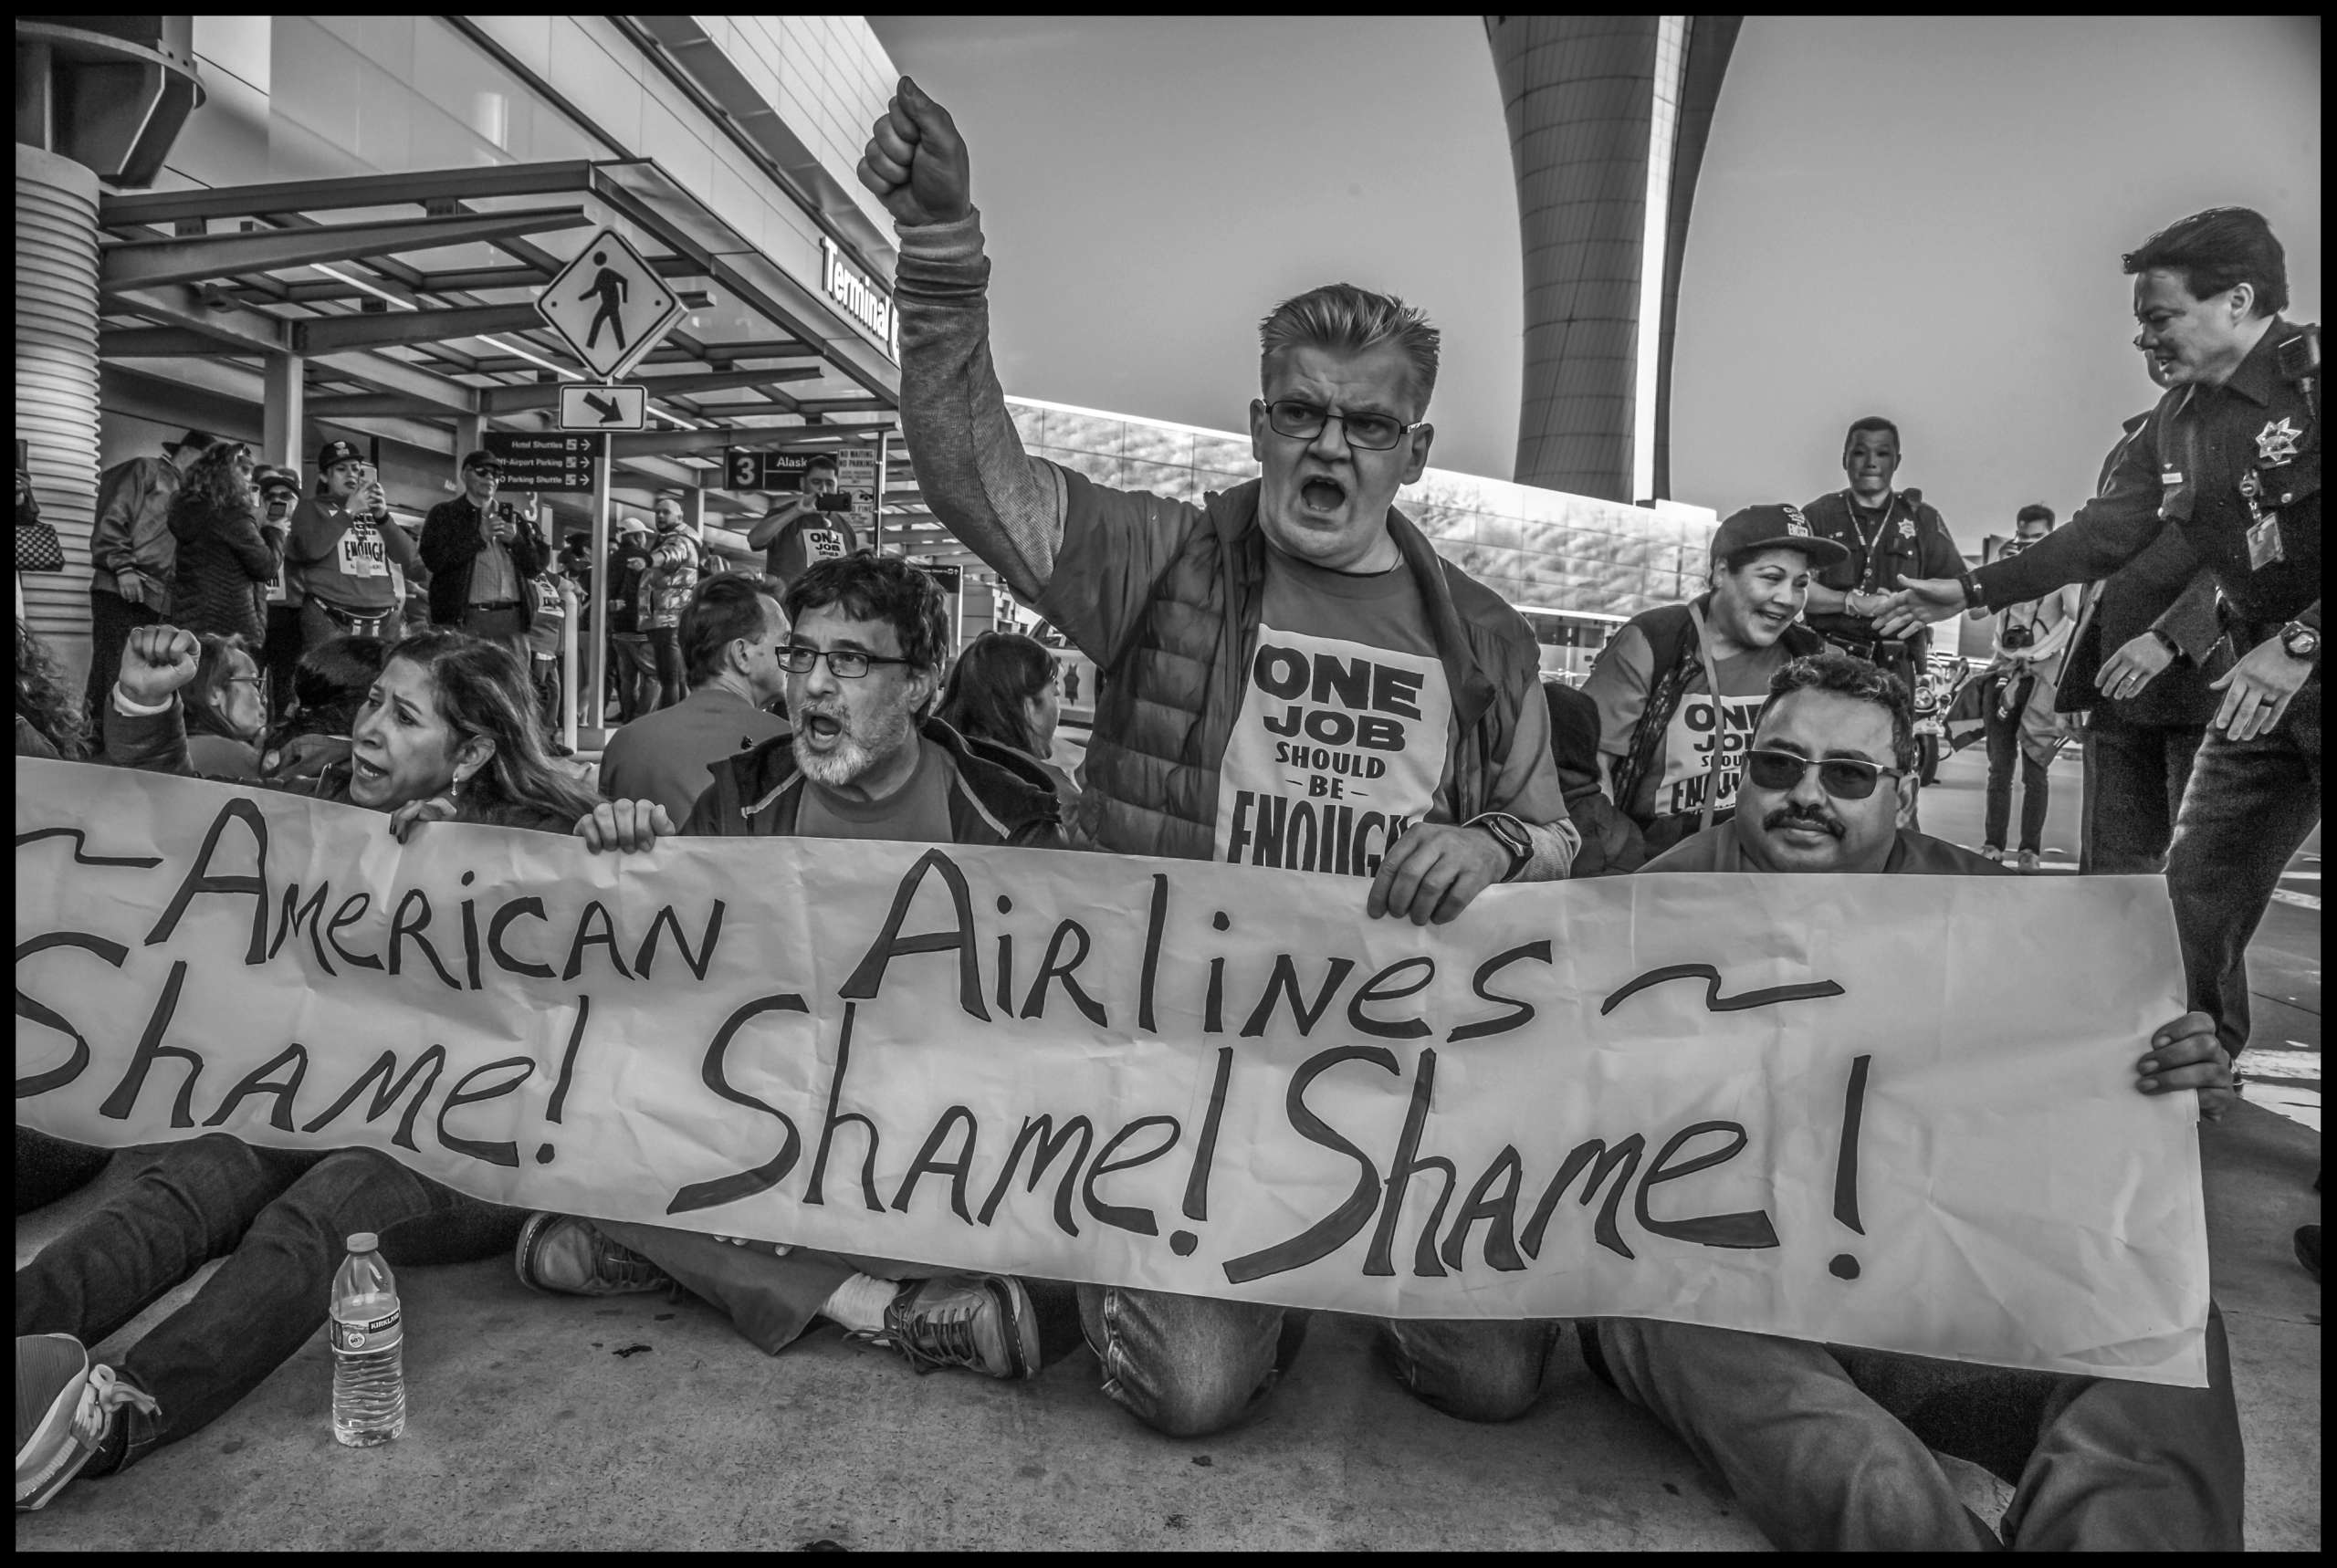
610, 306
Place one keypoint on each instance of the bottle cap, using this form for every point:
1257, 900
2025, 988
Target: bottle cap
364, 1241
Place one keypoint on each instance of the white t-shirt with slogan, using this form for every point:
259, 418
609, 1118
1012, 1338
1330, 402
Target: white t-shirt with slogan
1345, 725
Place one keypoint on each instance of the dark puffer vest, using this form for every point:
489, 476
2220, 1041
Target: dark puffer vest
1173, 680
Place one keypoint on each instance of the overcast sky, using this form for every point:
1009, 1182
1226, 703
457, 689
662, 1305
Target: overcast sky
1915, 217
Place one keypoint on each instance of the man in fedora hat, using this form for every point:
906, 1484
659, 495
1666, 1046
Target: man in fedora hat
133, 556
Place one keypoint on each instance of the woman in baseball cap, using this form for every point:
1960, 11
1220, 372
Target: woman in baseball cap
1679, 688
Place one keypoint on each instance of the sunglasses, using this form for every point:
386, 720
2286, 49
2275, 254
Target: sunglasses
1843, 778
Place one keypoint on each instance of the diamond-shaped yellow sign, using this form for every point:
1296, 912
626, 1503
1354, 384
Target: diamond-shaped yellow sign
610, 304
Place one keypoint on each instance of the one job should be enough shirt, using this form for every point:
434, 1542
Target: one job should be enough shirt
1341, 743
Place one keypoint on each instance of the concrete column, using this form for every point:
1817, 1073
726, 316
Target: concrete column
468, 429
57, 384
282, 415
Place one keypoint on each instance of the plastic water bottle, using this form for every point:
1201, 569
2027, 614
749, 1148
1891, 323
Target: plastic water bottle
368, 1348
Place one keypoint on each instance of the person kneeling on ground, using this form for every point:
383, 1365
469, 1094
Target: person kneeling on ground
1828, 1447
448, 731
863, 661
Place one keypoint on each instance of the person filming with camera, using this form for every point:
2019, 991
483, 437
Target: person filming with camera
2017, 701
481, 554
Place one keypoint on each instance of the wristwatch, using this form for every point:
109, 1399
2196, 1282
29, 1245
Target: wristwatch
2299, 641
1973, 598
1510, 834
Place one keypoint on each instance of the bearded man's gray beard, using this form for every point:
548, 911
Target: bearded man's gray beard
850, 760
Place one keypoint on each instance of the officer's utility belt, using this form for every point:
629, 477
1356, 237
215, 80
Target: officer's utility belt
355, 623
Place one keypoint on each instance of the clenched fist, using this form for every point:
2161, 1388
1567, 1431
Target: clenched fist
156, 661
916, 161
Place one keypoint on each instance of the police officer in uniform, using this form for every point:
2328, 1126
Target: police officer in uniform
2231, 458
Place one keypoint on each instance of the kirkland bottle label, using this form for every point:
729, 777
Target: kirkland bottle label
367, 1336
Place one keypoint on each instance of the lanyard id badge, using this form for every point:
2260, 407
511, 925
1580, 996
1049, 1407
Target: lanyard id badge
2264, 533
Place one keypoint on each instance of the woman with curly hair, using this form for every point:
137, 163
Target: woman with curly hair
48, 714
226, 559
448, 730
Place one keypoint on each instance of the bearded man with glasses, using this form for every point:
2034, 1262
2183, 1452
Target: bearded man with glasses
1830, 1447
1291, 678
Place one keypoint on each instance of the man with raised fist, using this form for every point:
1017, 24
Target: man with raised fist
1291, 678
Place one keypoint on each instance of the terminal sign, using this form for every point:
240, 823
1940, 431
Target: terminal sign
552, 462
862, 298
745, 470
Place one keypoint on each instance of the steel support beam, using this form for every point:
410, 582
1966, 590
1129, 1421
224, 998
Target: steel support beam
373, 329
288, 196
500, 401
282, 416
149, 263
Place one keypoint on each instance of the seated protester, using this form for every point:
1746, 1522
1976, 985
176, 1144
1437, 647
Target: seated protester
863, 661
1303, 597
1002, 690
329, 687
448, 731
731, 634
340, 553
1610, 841
1655, 680
49, 722
1828, 1448
49, 726
226, 713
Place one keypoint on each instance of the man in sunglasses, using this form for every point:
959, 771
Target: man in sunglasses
863, 663
1830, 1447
1290, 677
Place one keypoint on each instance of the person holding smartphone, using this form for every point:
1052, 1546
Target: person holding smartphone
809, 528
481, 554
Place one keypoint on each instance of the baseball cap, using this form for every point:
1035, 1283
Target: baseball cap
333, 452
278, 479
483, 458
193, 440
1774, 527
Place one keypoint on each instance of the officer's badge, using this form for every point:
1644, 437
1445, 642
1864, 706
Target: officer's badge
2276, 443
1906, 528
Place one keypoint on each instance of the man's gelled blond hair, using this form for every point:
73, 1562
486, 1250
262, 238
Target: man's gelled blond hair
1349, 320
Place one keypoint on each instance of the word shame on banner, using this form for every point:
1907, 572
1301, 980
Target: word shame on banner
1886, 1111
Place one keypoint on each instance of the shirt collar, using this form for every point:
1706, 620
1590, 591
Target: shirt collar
2259, 374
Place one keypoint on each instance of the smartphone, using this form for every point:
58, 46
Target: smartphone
835, 503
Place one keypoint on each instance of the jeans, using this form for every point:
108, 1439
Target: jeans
2250, 806
545, 674
282, 1218
113, 618
2135, 779
2004, 749
1828, 1448
635, 669
47, 1168
1190, 1365
666, 645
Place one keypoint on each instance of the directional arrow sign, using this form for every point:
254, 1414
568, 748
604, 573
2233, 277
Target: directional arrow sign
610, 304
583, 406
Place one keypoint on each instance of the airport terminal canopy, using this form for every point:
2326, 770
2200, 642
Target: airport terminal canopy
403, 306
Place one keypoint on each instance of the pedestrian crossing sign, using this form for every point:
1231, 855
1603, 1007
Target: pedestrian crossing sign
610, 306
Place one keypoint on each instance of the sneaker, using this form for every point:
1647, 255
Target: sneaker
981, 1321
2029, 861
564, 1256
1991, 853
64, 1410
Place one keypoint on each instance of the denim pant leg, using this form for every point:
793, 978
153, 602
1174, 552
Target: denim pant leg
1474, 1369
274, 1290
2003, 733
47, 1168
1815, 1462
185, 1204
1187, 1365
2136, 1466
769, 1300
2250, 806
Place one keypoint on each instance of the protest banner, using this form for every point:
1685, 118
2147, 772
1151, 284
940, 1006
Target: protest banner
1892, 1112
